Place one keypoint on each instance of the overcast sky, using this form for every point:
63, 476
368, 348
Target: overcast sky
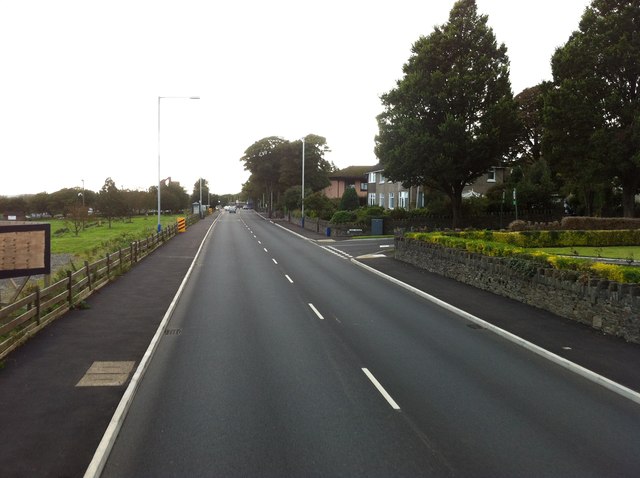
80, 81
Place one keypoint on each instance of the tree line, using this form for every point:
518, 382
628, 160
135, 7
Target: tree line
110, 201
452, 116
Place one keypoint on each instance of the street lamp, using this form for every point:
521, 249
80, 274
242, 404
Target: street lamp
302, 193
159, 178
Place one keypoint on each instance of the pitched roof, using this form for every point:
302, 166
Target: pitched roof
351, 172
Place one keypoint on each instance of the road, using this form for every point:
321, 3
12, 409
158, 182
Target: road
283, 358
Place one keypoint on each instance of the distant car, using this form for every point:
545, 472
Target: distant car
232, 209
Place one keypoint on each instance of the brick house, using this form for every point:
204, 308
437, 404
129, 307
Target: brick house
350, 177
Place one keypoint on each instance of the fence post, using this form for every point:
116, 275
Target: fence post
131, 253
38, 304
120, 259
108, 268
87, 271
70, 288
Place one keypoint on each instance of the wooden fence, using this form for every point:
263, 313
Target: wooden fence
31, 313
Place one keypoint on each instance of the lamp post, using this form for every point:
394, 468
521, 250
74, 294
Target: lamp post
159, 177
302, 193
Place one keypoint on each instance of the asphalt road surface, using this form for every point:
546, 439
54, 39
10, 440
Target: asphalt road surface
283, 358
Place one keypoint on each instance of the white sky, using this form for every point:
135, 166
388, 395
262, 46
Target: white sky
80, 80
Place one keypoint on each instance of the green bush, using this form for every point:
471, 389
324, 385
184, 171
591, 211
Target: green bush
510, 245
341, 217
398, 214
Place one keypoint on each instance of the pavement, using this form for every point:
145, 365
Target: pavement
52, 427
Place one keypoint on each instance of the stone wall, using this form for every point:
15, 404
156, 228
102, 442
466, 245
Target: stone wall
608, 306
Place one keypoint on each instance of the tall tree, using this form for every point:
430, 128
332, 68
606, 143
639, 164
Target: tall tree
316, 167
592, 115
530, 101
452, 116
197, 193
111, 201
262, 159
276, 166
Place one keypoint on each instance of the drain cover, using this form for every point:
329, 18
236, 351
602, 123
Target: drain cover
106, 374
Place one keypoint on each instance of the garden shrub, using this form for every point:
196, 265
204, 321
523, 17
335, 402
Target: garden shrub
599, 223
509, 245
342, 217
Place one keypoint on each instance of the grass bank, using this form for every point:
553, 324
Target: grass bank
97, 238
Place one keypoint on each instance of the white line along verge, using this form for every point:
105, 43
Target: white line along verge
574, 367
381, 389
108, 439
316, 311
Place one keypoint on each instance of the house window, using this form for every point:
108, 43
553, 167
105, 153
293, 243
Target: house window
392, 201
372, 177
382, 180
420, 199
372, 199
381, 200
364, 186
404, 199
491, 175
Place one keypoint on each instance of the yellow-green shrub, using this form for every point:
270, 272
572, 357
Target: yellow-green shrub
510, 245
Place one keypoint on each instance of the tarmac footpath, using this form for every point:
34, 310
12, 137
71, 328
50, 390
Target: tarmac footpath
49, 426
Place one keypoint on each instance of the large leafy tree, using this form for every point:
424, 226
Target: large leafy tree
530, 101
452, 116
195, 195
592, 114
262, 159
275, 165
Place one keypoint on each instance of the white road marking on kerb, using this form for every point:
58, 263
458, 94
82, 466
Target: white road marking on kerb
274, 261
289, 278
316, 311
381, 389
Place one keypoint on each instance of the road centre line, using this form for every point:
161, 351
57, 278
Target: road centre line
381, 389
316, 311
289, 278
265, 249
274, 261
260, 242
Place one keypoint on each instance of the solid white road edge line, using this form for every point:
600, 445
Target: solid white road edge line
316, 311
381, 389
574, 367
101, 454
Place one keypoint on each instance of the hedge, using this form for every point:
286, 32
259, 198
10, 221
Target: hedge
486, 243
531, 239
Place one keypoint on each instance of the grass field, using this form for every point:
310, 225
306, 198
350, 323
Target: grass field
615, 252
98, 238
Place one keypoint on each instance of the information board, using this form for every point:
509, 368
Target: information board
25, 250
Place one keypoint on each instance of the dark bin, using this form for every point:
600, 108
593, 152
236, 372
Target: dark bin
328, 232
377, 227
